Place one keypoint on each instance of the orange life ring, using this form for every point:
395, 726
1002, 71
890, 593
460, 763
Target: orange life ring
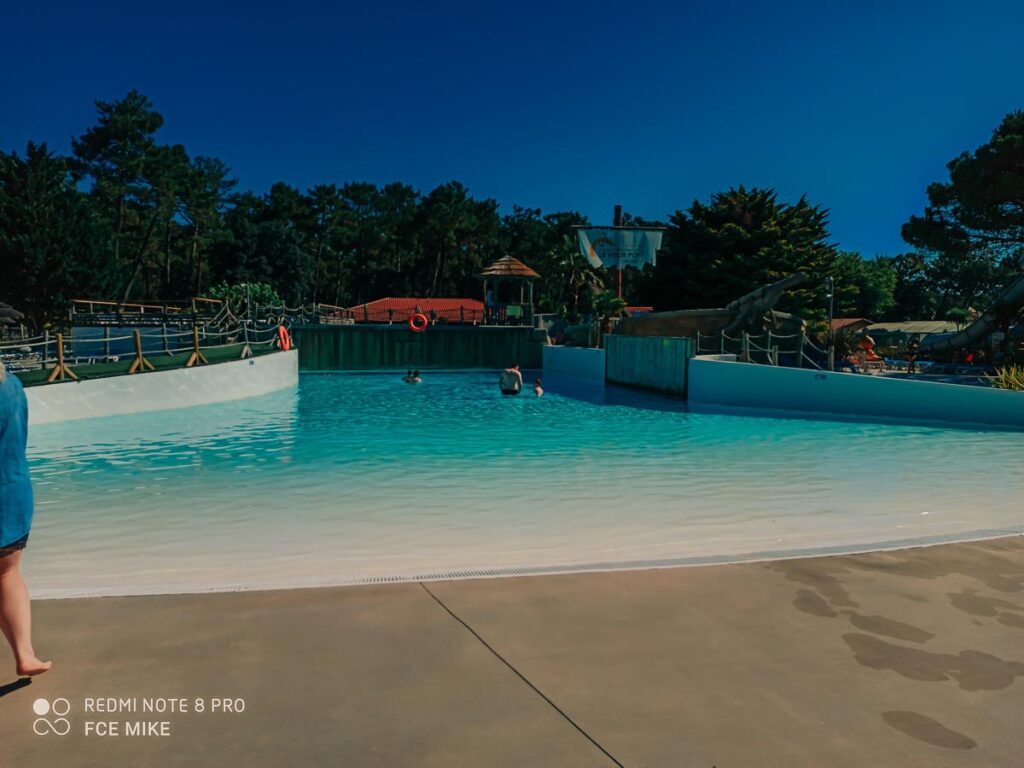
285, 341
418, 323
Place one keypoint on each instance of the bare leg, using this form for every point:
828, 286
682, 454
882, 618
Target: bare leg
6, 629
16, 616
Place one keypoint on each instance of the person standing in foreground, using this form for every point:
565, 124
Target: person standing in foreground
511, 380
15, 523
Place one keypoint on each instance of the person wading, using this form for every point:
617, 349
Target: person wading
511, 380
15, 523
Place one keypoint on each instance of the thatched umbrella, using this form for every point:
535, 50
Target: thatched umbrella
505, 270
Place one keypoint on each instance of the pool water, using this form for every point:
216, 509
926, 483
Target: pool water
356, 478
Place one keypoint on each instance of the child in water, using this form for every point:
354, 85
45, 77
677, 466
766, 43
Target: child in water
537, 390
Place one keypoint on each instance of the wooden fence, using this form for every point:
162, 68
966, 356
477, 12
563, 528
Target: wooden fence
395, 347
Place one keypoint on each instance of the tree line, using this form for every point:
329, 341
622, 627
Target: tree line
127, 217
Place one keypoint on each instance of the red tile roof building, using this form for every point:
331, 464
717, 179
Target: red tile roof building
399, 310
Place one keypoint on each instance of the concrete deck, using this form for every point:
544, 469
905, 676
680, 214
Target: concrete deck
909, 658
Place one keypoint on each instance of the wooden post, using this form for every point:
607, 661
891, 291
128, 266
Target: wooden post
163, 328
774, 354
800, 351
196, 356
745, 348
140, 363
46, 348
246, 352
617, 221
721, 342
60, 371
106, 342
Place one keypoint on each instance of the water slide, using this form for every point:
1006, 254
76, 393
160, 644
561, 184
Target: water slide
1007, 305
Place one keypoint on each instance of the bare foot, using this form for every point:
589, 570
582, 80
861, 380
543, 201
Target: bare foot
32, 666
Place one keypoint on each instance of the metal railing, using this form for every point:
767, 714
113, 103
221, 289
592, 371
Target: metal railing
793, 350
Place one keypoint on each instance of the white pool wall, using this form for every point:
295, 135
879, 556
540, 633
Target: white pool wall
162, 390
720, 381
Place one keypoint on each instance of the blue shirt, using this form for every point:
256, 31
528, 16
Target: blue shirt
15, 488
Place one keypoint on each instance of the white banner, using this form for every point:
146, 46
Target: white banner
619, 247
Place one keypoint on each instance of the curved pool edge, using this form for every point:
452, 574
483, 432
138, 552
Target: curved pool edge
503, 572
162, 390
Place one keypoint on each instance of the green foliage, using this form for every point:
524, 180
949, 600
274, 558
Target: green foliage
548, 244
236, 295
972, 229
1009, 377
863, 287
54, 247
958, 315
132, 218
914, 296
607, 305
739, 240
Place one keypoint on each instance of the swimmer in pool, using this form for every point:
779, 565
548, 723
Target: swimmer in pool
537, 389
511, 380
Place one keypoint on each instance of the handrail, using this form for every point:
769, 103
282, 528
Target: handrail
771, 350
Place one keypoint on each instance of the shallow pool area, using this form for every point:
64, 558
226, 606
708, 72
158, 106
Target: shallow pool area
361, 478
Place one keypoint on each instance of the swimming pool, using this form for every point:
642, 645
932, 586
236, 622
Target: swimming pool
357, 478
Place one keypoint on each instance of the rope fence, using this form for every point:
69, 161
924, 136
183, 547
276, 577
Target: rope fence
794, 350
56, 357
214, 312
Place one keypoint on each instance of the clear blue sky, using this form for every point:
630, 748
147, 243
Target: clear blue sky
553, 105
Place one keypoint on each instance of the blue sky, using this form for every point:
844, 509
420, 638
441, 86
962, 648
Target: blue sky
554, 105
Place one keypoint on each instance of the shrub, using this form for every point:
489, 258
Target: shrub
1009, 377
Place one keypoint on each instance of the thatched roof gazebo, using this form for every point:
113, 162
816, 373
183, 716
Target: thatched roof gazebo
500, 280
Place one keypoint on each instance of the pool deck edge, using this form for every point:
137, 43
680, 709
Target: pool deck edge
908, 657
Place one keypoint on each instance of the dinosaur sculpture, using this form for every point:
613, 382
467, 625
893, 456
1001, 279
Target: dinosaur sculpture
9, 315
751, 312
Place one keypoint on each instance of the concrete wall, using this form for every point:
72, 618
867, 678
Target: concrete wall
719, 382
395, 347
578, 363
652, 362
162, 390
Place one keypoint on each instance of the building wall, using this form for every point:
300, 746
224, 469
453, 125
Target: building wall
719, 382
162, 389
395, 347
652, 362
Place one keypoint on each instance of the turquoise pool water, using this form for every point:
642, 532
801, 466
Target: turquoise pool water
357, 478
